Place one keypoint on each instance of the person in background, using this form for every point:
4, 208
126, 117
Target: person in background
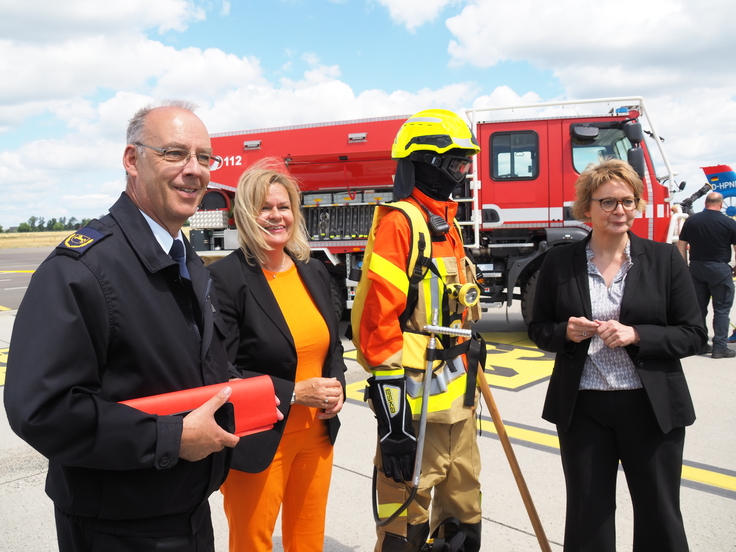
711, 235
620, 312
395, 300
110, 315
277, 307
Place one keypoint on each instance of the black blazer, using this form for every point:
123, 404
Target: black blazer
659, 301
260, 341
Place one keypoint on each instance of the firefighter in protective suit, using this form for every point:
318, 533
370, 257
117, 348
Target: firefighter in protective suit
414, 260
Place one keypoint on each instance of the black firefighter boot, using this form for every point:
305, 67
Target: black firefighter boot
416, 538
472, 536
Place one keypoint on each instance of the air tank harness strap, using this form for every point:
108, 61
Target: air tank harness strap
476, 355
475, 351
416, 276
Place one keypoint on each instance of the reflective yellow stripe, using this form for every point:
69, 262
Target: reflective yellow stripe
442, 401
390, 272
386, 510
388, 373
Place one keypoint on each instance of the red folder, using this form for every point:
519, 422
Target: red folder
253, 402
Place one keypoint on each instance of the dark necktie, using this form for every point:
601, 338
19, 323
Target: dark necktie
177, 253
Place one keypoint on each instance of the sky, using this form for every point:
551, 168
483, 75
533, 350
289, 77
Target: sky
74, 72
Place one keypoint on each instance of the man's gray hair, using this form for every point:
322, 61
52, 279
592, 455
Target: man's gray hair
137, 123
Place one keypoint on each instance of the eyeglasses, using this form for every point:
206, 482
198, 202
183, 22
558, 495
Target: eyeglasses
182, 156
609, 204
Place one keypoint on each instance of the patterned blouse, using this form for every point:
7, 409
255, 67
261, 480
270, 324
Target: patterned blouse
608, 369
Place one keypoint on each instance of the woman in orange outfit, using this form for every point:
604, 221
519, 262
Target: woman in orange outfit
277, 308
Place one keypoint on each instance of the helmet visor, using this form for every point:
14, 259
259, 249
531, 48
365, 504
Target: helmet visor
457, 167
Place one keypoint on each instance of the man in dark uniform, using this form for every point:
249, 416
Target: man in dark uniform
711, 235
111, 316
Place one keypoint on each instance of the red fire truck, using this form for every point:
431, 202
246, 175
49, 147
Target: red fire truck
514, 207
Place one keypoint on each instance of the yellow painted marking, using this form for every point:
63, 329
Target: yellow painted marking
4, 308
3, 363
713, 479
520, 339
355, 390
512, 367
513, 361
526, 435
17, 271
689, 473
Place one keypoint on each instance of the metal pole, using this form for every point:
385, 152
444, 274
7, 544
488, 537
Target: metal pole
513, 463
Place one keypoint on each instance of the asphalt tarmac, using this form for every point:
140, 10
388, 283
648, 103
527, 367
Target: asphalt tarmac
517, 373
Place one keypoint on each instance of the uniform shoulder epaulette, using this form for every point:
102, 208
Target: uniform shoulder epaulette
78, 243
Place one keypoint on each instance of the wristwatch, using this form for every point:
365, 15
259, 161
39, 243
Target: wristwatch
293, 397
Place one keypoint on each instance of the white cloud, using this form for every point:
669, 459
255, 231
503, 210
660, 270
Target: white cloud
320, 97
52, 21
415, 13
82, 66
311, 58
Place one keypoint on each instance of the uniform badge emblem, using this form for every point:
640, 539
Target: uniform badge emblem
75, 241
81, 240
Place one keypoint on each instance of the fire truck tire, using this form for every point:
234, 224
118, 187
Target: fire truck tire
527, 297
338, 299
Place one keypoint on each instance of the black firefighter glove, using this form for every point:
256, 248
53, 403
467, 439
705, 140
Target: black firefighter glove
396, 437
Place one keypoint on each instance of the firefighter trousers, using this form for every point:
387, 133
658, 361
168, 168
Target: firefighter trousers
297, 480
449, 487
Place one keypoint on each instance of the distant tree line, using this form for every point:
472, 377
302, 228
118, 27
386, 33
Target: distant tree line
40, 224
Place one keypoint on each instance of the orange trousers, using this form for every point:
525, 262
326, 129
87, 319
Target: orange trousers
298, 480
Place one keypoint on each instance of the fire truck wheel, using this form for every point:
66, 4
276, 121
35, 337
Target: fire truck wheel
527, 297
338, 298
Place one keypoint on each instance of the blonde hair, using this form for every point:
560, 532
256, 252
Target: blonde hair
596, 175
250, 197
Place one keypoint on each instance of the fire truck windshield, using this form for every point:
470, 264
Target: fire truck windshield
609, 143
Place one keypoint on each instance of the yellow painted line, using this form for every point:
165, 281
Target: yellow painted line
521, 434
689, 473
3, 363
706, 477
4, 308
17, 271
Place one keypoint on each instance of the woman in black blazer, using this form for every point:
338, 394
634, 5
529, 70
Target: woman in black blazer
279, 314
619, 312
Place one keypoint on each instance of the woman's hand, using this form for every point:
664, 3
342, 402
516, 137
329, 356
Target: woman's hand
614, 334
319, 393
331, 411
579, 329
